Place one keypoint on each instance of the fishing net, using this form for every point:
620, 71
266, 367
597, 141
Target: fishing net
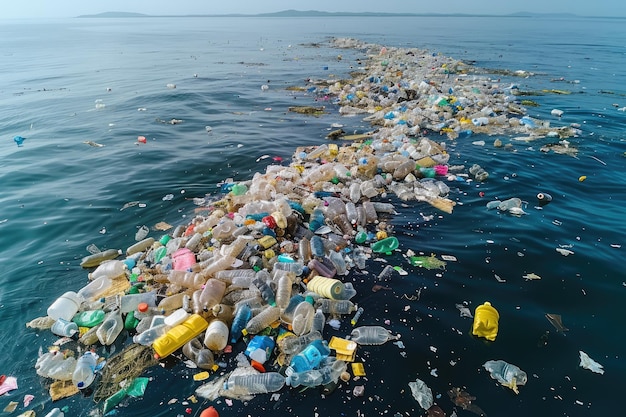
126, 365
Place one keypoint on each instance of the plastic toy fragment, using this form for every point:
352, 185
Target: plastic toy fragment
486, 321
19, 140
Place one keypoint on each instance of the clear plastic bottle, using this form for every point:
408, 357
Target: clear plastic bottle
85, 371
97, 258
256, 383
186, 279
335, 306
317, 247
319, 321
294, 267
283, 292
329, 371
111, 269
130, 302
372, 335
263, 320
261, 283
295, 344
287, 313
95, 288
303, 318
210, 295
195, 351
387, 274
140, 246
338, 261
148, 336
237, 277
304, 250
215, 264
110, 328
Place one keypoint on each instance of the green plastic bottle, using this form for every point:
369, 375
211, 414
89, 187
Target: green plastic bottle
89, 318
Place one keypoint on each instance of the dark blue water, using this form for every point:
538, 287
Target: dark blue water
60, 195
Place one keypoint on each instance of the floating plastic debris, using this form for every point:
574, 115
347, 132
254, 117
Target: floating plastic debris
506, 374
530, 277
557, 322
588, 363
422, 393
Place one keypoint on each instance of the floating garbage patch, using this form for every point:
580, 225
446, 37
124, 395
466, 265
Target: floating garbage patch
245, 290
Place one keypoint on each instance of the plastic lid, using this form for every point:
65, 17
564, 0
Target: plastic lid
142, 307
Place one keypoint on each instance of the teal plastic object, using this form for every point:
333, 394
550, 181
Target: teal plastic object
386, 245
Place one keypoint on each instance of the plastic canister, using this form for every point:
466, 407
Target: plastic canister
486, 320
65, 306
326, 287
177, 336
260, 348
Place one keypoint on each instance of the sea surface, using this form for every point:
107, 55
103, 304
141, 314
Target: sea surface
65, 82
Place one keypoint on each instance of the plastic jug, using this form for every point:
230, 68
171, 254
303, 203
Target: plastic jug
84, 373
110, 328
310, 357
65, 306
486, 321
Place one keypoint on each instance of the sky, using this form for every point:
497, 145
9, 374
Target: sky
19, 9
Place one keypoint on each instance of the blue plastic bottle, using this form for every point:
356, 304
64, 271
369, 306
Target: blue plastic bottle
242, 316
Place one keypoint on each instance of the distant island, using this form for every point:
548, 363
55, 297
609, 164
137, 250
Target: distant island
315, 13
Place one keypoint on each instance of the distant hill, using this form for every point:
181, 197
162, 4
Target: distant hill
115, 14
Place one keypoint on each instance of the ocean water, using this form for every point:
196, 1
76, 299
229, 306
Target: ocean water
60, 195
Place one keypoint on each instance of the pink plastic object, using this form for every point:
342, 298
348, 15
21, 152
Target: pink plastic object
441, 169
183, 259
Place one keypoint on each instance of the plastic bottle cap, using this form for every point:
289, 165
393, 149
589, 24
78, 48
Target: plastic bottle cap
142, 307
257, 365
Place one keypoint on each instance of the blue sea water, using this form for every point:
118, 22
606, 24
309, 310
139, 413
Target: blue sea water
60, 195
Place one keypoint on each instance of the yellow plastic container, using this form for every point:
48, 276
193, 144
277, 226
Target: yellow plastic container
178, 335
326, 287
486, 321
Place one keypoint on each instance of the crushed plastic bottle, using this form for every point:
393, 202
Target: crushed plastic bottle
372, 335
506, 374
